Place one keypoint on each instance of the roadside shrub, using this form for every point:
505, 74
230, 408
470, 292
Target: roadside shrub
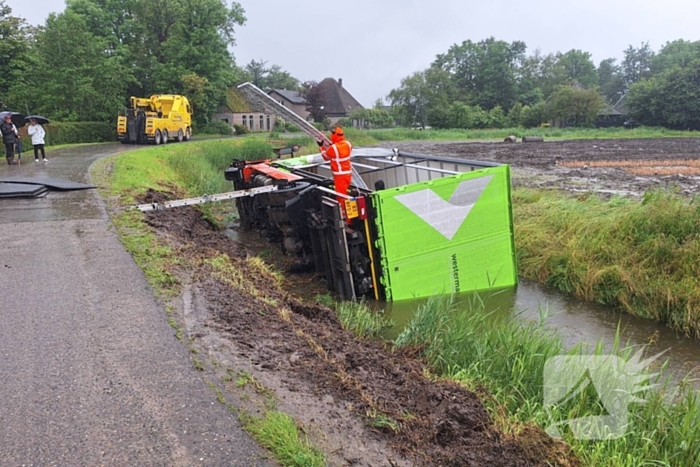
241, 130
218, 127
79, 132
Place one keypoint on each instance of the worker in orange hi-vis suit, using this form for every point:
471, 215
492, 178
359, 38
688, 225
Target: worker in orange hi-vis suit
338, 154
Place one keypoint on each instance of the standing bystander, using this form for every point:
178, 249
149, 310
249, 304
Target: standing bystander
37, 133
9, 137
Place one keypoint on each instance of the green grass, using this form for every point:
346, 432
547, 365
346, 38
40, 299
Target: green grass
361, 321
279, 433
639, 256
194, 168
507, 357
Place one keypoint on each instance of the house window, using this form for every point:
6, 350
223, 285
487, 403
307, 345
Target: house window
262, 122
252, 123
268, 123
224, 120
245, 121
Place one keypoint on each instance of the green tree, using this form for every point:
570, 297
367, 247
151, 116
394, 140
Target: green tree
610, 80
316, 100
167, 40
571, 105
410, 101
533, 116
14, 54
671, 99
76, 77
484, 73
277, 78
529, 79
579, 68
674, 54
636, 64
256, 72
372, 118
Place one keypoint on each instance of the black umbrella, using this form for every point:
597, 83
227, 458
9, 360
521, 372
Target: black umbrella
39, 119
17, 118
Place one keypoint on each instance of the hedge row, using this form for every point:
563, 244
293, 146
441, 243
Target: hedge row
79, 132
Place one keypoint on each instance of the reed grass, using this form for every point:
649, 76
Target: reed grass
507, 357
639, 256
357, 318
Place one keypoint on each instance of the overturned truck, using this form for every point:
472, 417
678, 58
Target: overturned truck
417, 226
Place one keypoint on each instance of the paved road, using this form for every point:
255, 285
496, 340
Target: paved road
90, 372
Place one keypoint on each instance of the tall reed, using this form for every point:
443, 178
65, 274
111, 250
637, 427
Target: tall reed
639, 256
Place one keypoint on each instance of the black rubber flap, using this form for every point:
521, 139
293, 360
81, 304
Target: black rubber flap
54, 183
17, 190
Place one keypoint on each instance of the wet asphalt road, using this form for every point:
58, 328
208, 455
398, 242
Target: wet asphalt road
90, 371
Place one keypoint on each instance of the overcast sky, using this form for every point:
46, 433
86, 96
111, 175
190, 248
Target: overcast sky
373, 44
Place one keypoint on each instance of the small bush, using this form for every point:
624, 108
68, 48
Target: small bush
241, 130
217, 127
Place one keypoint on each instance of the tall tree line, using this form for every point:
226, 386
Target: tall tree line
83, 63
492, 83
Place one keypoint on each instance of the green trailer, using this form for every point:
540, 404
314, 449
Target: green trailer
419, 225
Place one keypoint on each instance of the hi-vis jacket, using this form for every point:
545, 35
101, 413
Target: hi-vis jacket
338, 155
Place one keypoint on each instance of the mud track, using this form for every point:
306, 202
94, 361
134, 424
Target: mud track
363, 402
627, 167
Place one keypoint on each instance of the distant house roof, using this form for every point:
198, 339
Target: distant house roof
292, 96
338, 101
235, 101
609, 110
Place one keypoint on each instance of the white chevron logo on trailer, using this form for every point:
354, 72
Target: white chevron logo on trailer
446, 216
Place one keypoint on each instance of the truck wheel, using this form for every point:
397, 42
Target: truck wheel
165, 136
187, 134
157, 138
180, 136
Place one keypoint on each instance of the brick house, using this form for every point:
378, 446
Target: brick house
292, 100
237, 111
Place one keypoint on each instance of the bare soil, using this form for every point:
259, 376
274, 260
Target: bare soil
363, 402
627, 167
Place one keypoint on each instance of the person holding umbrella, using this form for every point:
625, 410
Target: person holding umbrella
37, 133
9, 137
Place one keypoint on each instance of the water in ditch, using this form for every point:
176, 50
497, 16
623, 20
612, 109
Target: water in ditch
576, 321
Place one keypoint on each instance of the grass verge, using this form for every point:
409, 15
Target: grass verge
279, 433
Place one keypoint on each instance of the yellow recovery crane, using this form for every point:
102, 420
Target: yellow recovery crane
158, 119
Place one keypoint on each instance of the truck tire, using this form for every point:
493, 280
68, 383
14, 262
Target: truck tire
165, 136
157, 139
180, 136
187, 134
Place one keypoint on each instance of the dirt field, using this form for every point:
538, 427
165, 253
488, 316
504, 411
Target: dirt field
363, 403
622, 166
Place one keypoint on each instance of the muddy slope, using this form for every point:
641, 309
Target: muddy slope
378, 397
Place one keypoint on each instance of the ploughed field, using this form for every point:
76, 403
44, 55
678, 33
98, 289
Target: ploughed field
609, 166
